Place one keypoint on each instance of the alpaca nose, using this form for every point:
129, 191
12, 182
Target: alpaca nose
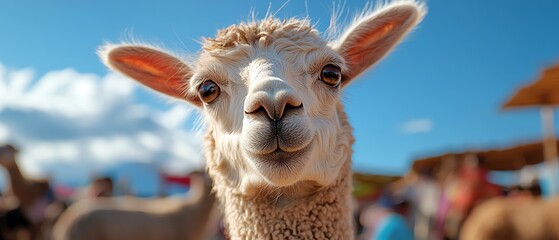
274, 98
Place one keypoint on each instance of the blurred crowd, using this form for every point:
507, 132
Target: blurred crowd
30, 208
436, 204
432, 204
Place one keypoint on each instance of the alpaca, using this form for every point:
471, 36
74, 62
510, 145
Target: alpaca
26, 191
513, 219
278, 142
143, 219
31, 204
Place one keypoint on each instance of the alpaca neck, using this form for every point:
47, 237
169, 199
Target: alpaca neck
202, 201
304, 210
194, 215
323, 214
19, 186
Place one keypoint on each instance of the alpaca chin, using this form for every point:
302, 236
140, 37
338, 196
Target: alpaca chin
280, 155
281, 168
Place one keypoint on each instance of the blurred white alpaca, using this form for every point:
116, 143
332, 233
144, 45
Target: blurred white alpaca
142, 219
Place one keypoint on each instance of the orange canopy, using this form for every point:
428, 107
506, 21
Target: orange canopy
544, 91
506, 159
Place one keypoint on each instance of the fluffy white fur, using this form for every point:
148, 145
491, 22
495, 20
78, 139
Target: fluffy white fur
278, 140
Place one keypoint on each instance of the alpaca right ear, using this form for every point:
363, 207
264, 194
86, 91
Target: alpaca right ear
373, 35
153, 68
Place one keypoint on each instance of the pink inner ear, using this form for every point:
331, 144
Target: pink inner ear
376, 35
372, 46
154, 69
164, 79
133, 63
373, 39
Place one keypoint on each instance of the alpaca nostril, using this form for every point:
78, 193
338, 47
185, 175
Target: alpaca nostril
261, 109
289, 107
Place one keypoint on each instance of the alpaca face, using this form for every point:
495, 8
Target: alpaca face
270, 90
276, 105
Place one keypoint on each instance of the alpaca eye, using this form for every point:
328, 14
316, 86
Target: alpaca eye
331, 75
208, 91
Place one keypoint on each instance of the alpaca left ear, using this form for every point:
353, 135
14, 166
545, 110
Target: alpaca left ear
154, 68
374, 35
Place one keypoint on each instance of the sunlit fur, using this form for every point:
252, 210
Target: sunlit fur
261, 67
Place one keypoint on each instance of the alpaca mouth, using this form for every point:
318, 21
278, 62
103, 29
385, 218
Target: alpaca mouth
279, 156
281, 168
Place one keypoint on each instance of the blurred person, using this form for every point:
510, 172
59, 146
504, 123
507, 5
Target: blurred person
549, 180
530, 190
530, 181
446, 180
425, 196
535, 188
101, 187
468, 188
385, 221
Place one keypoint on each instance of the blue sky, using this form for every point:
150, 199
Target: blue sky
440, 90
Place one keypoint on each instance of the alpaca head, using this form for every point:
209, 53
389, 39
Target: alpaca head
270, 90
7, 155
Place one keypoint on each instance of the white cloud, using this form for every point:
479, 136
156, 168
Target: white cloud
85, 120
4, 133
175, 116
414, 126
150, 141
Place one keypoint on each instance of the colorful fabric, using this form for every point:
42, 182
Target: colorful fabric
393, 227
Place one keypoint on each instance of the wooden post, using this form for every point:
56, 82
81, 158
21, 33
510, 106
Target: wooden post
550, 152
549, 144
